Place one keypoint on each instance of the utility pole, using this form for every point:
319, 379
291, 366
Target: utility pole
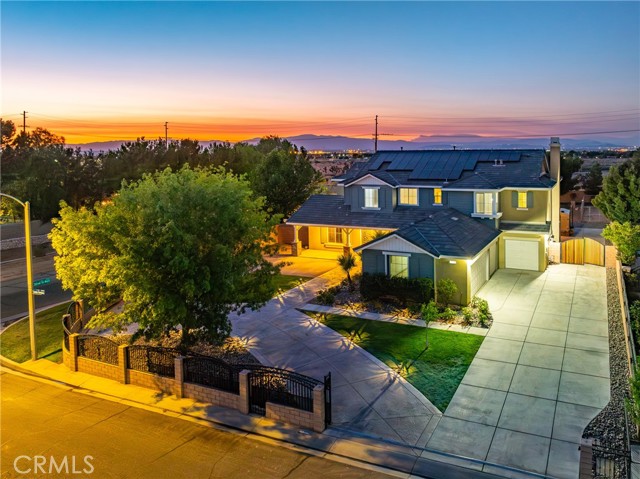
24, 122
375, 135
166, 134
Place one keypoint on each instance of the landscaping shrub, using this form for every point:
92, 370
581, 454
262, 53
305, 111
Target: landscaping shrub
633, 403
483, 309
326, 296
429, 312
468, 314
634, 313
447, 289
416, 290
448, 314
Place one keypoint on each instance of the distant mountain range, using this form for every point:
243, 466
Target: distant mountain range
423, 142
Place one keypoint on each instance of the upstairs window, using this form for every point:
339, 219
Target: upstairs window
437, 196
370, 197
484, 203
522, 200
409, 196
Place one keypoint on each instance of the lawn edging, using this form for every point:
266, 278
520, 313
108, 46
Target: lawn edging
387, 318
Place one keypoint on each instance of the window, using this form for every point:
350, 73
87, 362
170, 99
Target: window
437, 196
522, 199
484, 203
334, 235
399, 266
370, 197
408, 196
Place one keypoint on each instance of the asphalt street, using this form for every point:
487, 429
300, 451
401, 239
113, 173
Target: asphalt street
13, 288
105, 439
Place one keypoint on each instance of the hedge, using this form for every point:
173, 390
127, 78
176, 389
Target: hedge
415, 290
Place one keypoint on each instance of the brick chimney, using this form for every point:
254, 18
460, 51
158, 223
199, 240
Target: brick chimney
554, 172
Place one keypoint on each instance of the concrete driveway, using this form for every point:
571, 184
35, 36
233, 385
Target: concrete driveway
367, 396
540, 376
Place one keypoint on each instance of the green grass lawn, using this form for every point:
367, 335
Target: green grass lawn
435, 372
15, 343
286, 282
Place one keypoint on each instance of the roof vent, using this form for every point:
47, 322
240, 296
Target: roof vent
454, 218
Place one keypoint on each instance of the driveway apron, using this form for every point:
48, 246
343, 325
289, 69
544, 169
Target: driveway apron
541, 375
367, 396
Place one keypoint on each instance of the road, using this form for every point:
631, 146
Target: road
39, 419
13, 288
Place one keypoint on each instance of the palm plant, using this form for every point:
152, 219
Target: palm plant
347, 262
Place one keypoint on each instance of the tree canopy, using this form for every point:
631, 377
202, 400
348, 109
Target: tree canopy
37, 167
593, 181
619, 199
286, 180
181, 249
569, 164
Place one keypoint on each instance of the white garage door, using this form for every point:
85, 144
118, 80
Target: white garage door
521, 254
479, 272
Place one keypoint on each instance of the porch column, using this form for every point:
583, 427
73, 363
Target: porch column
347, 246
296, 246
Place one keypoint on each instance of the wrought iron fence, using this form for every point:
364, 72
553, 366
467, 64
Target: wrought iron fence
211, 372
150, 359
279, 386
71, 323
610, 463
98, 348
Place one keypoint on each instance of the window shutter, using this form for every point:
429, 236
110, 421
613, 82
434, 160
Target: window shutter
514, 199
529, 199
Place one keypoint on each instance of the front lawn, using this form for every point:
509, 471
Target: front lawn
435, 372
15, 340
285, 282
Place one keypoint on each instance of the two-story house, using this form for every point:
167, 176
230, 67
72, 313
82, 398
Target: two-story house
458, 214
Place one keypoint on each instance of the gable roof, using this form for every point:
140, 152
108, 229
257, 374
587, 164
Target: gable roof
456, 169
445, 232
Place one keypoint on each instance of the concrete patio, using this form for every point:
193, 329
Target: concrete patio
540, 376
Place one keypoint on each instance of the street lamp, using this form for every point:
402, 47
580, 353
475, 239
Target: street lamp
27, 238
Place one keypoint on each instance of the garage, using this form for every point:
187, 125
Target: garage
479, 272
521, 254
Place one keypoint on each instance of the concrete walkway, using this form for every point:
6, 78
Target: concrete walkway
368, 397
540, 376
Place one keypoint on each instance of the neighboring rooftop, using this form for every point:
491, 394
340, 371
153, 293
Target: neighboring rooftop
468, 169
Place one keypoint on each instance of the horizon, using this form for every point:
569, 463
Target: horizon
106, 71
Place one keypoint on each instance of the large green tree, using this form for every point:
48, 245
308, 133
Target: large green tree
569, 164
182, 249
619, 199
286, 179
593, 181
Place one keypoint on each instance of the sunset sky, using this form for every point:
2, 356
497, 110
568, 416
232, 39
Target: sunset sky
118, 70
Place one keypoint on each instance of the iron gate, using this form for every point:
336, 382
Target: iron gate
284, 387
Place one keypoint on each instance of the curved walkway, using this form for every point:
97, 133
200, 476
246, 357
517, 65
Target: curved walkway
367, 396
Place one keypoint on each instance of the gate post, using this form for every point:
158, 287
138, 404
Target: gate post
73, 351
243, 400
179, 376
319, 409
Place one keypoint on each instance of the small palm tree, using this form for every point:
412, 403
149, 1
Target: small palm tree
347, 262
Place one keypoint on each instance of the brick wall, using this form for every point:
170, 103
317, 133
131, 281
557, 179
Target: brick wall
176, 386
151, 381
98, 368
216, 397
310, 420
